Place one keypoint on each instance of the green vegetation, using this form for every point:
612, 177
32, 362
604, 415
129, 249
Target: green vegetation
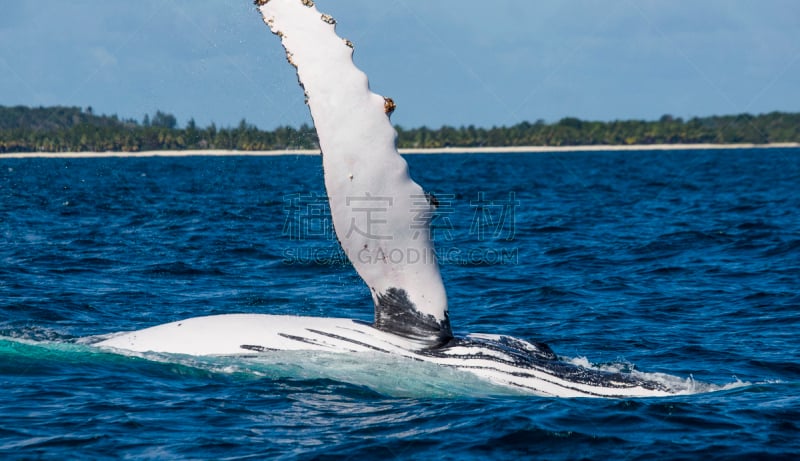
768, 128
72, 129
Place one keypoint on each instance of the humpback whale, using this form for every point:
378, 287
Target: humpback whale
364, 174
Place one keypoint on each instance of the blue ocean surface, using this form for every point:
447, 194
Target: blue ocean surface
682, 264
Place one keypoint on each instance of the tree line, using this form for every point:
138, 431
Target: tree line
74, 129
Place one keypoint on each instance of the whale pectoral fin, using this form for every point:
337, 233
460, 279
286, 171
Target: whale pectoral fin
380, 215
395, 313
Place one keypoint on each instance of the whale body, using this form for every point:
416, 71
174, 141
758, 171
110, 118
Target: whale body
380, 216
502, 360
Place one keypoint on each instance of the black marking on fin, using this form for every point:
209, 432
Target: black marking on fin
299, 339
432, 200
256, 348
545, 350
342, 338
395, 313
538, 357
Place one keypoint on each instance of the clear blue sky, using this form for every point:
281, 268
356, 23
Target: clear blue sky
456, 62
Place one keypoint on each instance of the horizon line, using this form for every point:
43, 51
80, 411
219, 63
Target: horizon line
410, 151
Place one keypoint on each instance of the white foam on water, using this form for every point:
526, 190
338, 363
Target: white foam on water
678, 385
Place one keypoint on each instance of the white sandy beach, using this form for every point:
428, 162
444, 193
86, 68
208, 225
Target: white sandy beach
445, 150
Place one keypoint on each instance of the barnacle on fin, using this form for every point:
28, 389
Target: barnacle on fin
308, 3
290, 59
432, 200
329, 19
349, 43
260, 2
388, 105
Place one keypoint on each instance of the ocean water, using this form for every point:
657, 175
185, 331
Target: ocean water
683, 263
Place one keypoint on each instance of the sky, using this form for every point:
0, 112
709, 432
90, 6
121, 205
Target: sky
444, 62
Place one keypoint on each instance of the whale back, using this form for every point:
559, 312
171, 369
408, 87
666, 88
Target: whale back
380, 215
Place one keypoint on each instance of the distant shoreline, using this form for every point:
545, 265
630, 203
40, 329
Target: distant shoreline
444, 150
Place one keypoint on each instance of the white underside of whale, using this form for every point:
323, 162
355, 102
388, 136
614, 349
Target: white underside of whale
248, 334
